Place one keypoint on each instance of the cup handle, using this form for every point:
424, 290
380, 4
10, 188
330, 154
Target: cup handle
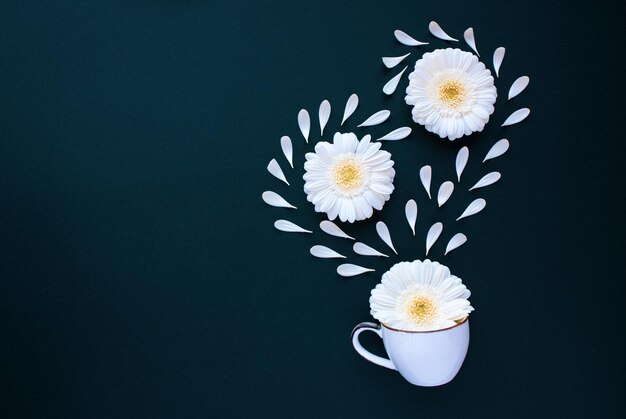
378, 360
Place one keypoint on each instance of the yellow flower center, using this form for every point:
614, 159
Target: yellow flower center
452, 93
422, 309
348, 174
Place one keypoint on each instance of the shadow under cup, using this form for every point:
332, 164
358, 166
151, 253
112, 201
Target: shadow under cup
426, 359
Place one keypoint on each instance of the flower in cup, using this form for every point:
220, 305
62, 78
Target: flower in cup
420, 296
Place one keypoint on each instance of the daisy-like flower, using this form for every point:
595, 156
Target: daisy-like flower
348, 178
452, 93
420, 296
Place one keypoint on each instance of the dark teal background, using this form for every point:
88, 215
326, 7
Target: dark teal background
140, 275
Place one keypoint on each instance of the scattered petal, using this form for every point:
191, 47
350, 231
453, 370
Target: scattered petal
324, 115
378, 118
364, 250
497, 150
518, 86
396, 134
351, 105
405, 39
461, 160
391, 85
383, 233
426, 173
324, 252
458, 240
517, 117
304, 122
274, 168
498, 57
436, 30
331, 228
433, 234
391, 62
285, 144
275, 200
474, 208
289, 227
348, 269
471, 41
445, 191
488, 179
410, 210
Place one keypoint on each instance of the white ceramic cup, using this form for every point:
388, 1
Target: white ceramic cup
423, 358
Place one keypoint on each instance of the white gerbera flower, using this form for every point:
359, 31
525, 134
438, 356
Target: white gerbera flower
420, 296
452, 93
348, 178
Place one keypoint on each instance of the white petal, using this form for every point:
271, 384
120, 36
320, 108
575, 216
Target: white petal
518, 86
410, 210
461, 161
497, 150
391, 85
324, 115
348, 269
274, 168
275, 200
287, 147
331, 228
289, 227
425, 176
396, 134
445, 191
324, 252
475, 207
498, 57
383, 233
391, 62
351, 105
304, 122
405, 39
433, 234
378, 118
364, 250
488, 179
471, 41
458, 240
517, 116
436, 30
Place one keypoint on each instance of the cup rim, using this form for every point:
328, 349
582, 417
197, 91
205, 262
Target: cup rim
426, 331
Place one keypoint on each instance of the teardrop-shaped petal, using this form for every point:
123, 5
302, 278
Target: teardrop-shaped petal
324, 115
287, 147
445, 191
488, 179
436, 30
497, 150
518, 86
405, 39
274, 168
470, 39
433, 234
410, 210
289, 227
331, 228
396, 134
383, 233
475, 207
391, 85
273, 199
391, 62
348, 269
324, 252
304, 122
458, 240
378, 118
426, 174
351, 105
461, 161
498, 57
364, 250
517, 117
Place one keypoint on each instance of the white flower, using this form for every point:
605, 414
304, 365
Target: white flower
452, 93
348, 178
420, 296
